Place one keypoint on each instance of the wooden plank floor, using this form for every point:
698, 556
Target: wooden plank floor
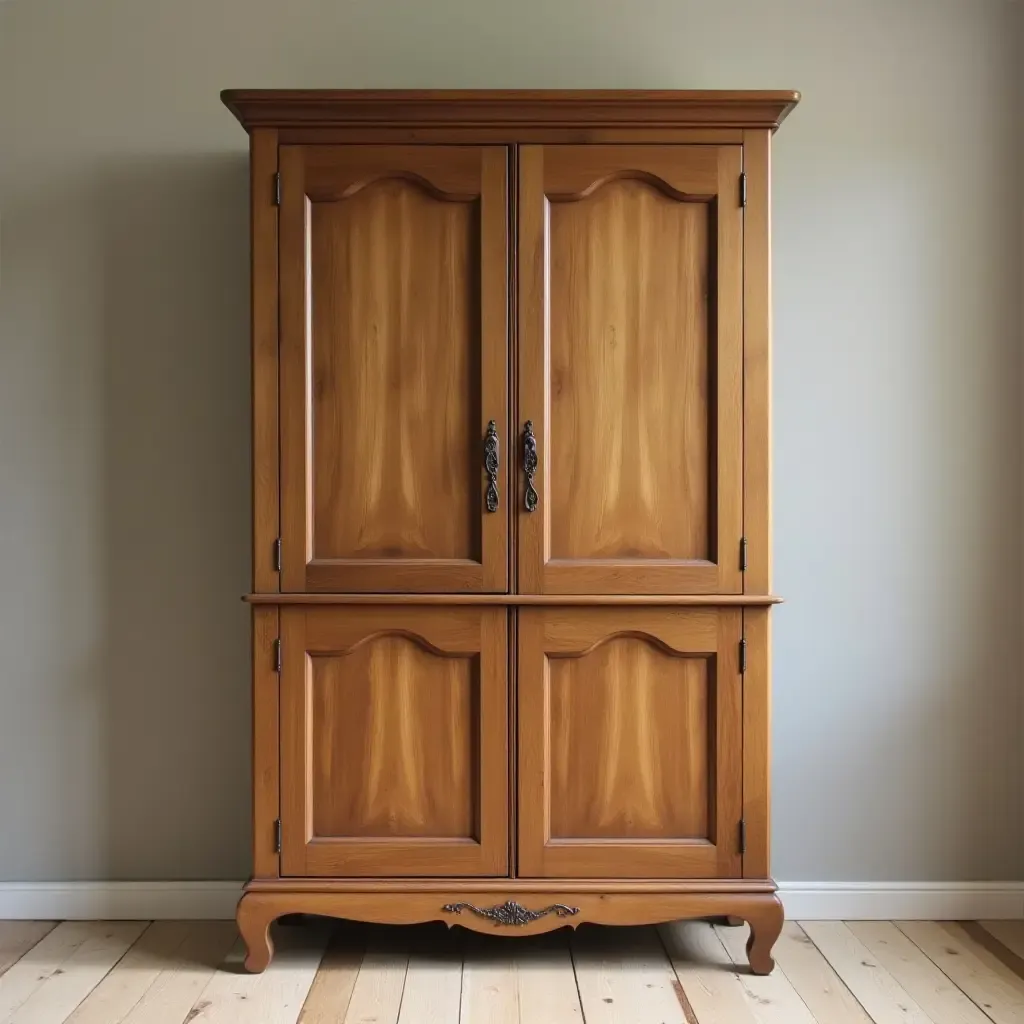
829, 972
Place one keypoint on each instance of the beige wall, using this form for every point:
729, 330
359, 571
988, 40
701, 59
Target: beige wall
123, 403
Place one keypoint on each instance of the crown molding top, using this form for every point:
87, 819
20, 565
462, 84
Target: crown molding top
512, 108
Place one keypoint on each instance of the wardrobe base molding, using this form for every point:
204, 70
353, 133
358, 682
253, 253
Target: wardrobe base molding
510, 907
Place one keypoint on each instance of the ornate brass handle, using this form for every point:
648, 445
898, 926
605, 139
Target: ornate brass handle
491, 465
511, 913
530, 466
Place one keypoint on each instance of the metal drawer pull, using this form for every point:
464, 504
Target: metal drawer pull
511, 913
530, 466
491, 465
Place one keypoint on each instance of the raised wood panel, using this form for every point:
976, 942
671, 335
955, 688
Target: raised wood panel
393, 741
394, 361
394, 728
630, 269
630, 742
396, 468
629, 372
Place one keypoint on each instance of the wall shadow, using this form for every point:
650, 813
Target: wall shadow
175, 490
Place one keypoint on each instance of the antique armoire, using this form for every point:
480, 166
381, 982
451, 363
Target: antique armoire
511, 544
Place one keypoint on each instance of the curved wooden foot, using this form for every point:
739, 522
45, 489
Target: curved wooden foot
254, 916
765, 917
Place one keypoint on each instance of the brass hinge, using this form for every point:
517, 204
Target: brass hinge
743, 554
277, 655
277, 836
743, 837
277, 189
743, 655
277, 555
743, 190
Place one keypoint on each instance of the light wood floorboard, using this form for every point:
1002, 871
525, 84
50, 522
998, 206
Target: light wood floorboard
180, 972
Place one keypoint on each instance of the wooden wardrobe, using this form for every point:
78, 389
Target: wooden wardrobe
511, 550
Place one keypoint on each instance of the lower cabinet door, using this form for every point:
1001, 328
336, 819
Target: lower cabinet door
394, 741
630, 742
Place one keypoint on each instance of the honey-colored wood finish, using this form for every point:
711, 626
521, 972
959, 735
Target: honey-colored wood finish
394, 733
630, 353
629, 742
757, 381
541, 707
266, 735
266, 479
757, 736
762, 911
394, 360
516, 112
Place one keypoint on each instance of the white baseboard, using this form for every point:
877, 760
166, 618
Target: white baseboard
902, 901
809, 901
118, 901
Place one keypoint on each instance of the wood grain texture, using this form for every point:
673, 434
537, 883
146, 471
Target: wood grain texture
328, 998
257, 909
713, 994
55, 992
395, 391
630, 745
275, 997
813, 977
512, 109
489, 992
137, 972
394, 359
177, 973
395, 742
171, 976
771, 996
266, 738
433, 979
757, 380
18, 937
266, 499
603, 790
884, 998
622, 974
392, 741
20, 981
757, 735
937, 996
629, 373
993, 986
1010, 935
630, 269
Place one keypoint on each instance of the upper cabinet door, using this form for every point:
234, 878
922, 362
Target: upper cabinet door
630, 372
394, 363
